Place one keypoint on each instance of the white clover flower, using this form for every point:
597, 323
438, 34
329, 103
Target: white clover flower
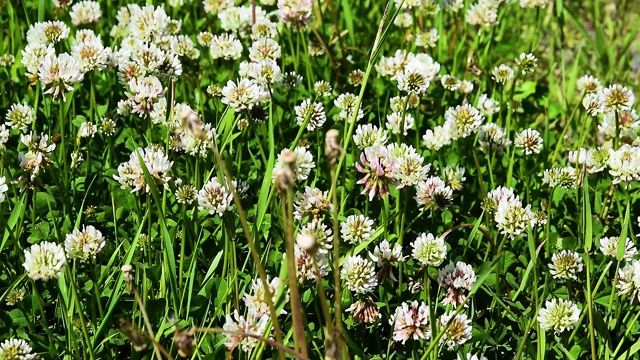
347, 104
609, 247
450, 82
265, 72
358, 274
3, 188
233, 18
91, 54
258, 301
466, 86
313, 201
383, 254
593, 103
392, 66
526, 63
87, 129
473, 357
588, 84
186, 194
242, 96
628, 125
437, 138
429, 250
529, 141
198, 142
428, 38
565, 265
482, 14
84, 244
454, 175
492, 138
618, 98
48, 33
295, 13
399, 123
385, 257
264, 49
365, 310
13, 297
369, 135
38, 156
452, 6
403, 20
33, 57
131, 173
182, 45
322, 235
356, 229
20, 116
4, 136
409, 167
314, 112
462, 121
459, 330
61, 72
146, 91
264, 28
413, 80
410, 321
251, 324
487, 106
564, 178
44, 261
512, 218
502, 73
306, 264
16, 349
148, 23
558, 315
225, 46
322, 88
214, 197
85, 12
304, 163
624, 164
398, 104
629, 280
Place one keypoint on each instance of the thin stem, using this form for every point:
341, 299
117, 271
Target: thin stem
255, 255
296, 307
276, 344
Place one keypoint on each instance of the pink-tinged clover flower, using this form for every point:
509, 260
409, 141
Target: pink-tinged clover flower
378, 167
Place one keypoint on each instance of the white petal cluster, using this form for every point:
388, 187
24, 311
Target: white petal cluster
131, 173
558, 315
358, 274
214, 197
44, 261
84, 244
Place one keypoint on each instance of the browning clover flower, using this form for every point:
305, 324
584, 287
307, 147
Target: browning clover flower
456, 278
411, 321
